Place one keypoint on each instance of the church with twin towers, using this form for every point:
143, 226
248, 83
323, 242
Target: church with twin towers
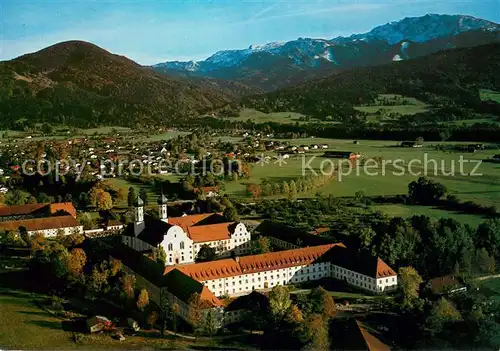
183, 237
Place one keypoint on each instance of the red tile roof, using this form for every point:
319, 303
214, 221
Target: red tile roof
20, 209
284, 259
252, 264
188, 221
372, 343
209, 270
207, 189
30, 208
320, 230
36, 224
209, 297
209, 232
183, 286
202, 233
383, 270
63, 206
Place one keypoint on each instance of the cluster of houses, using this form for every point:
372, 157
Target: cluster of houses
284, 146
91, 151
49, 219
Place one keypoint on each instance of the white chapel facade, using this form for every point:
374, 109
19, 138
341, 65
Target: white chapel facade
183, 237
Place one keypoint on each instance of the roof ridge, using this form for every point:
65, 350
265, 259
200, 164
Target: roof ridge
383, 269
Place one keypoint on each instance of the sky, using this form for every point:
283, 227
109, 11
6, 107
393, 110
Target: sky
150, 32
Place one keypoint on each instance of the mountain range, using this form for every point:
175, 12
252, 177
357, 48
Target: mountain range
280, 64
79, 84
448, 80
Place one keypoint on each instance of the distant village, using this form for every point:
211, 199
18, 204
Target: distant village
186, 252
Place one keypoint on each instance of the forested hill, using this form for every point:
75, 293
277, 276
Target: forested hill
80, 84
449, 78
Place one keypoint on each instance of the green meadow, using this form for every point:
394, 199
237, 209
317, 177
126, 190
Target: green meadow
26, 326
399, 210
380, 110
484, 188
489, 95
276, 117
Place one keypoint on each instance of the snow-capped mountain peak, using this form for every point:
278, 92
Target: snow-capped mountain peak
425, 28
269, 47
394, 40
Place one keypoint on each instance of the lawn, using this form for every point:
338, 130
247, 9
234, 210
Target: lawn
277, 117
103, 130
121, 183
402, 109
411, 106
60, 134
470, 122
164, 136
397, 210
153, 195
484, 189
338, 295
127, 132
23, 325
490, 288
489, 95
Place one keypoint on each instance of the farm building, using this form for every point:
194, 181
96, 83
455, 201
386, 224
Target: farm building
410, 144
98, 323
342, 154
48, 219
209, 191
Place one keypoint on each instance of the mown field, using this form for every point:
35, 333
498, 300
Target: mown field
80, 133
489, 95
379, 110
484, 189
153, 195
25, 326
490, 288
398, 210
61, 134
470, 122
277, 117
165, 136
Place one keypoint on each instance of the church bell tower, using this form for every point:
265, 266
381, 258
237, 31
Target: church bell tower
162, 208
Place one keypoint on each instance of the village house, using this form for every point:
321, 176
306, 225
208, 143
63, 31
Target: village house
342, 154
48, 219
183, 237
209, 191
